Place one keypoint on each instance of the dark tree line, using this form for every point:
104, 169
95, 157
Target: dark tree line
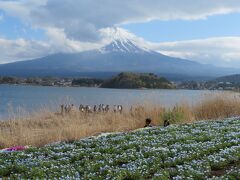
138, 80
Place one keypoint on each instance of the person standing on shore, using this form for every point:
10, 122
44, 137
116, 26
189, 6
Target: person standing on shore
62, 109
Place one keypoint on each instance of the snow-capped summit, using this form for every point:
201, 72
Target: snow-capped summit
120, 40
122, 46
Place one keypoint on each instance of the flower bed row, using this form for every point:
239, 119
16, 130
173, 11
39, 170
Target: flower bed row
178, 152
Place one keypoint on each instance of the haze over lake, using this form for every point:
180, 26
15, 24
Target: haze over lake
34, 98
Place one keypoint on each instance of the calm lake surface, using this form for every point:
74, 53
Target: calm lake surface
17, 99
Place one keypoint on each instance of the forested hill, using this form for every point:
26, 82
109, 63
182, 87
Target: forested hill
128, 80
232, 78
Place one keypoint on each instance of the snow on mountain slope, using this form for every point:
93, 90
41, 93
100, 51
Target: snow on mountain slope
120, 40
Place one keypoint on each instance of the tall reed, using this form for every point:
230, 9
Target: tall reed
46, 127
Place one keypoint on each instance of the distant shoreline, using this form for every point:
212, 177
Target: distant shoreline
98, 87
125, 80
36, 85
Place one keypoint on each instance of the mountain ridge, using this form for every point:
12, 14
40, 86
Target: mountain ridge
124, 52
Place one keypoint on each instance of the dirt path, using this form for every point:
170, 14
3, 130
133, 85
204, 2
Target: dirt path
221, 172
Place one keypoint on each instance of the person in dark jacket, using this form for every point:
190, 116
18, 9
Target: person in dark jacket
62, 109
166, 123
148, 123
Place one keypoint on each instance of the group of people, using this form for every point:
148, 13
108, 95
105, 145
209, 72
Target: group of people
148, 123
101, 108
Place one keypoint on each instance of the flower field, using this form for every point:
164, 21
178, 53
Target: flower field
202, 150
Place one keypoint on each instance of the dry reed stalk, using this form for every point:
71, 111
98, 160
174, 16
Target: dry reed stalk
40, 130
47, 127
217, 107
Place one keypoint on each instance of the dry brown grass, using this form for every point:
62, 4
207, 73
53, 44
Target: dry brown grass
46, 127
217, 107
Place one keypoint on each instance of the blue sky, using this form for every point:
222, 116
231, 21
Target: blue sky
206, 31
13, 28
179, 30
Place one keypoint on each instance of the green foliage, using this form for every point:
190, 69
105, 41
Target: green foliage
9, 80
137, 80
173, 115
87, 82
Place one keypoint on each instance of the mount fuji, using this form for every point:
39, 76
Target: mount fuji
123, 52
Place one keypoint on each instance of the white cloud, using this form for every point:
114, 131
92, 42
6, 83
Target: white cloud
223, 51
20, 49
81, 19
60, 42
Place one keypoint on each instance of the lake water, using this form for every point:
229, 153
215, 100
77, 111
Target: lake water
15, 98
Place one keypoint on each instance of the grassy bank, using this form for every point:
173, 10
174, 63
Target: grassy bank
46, 127
201, 150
